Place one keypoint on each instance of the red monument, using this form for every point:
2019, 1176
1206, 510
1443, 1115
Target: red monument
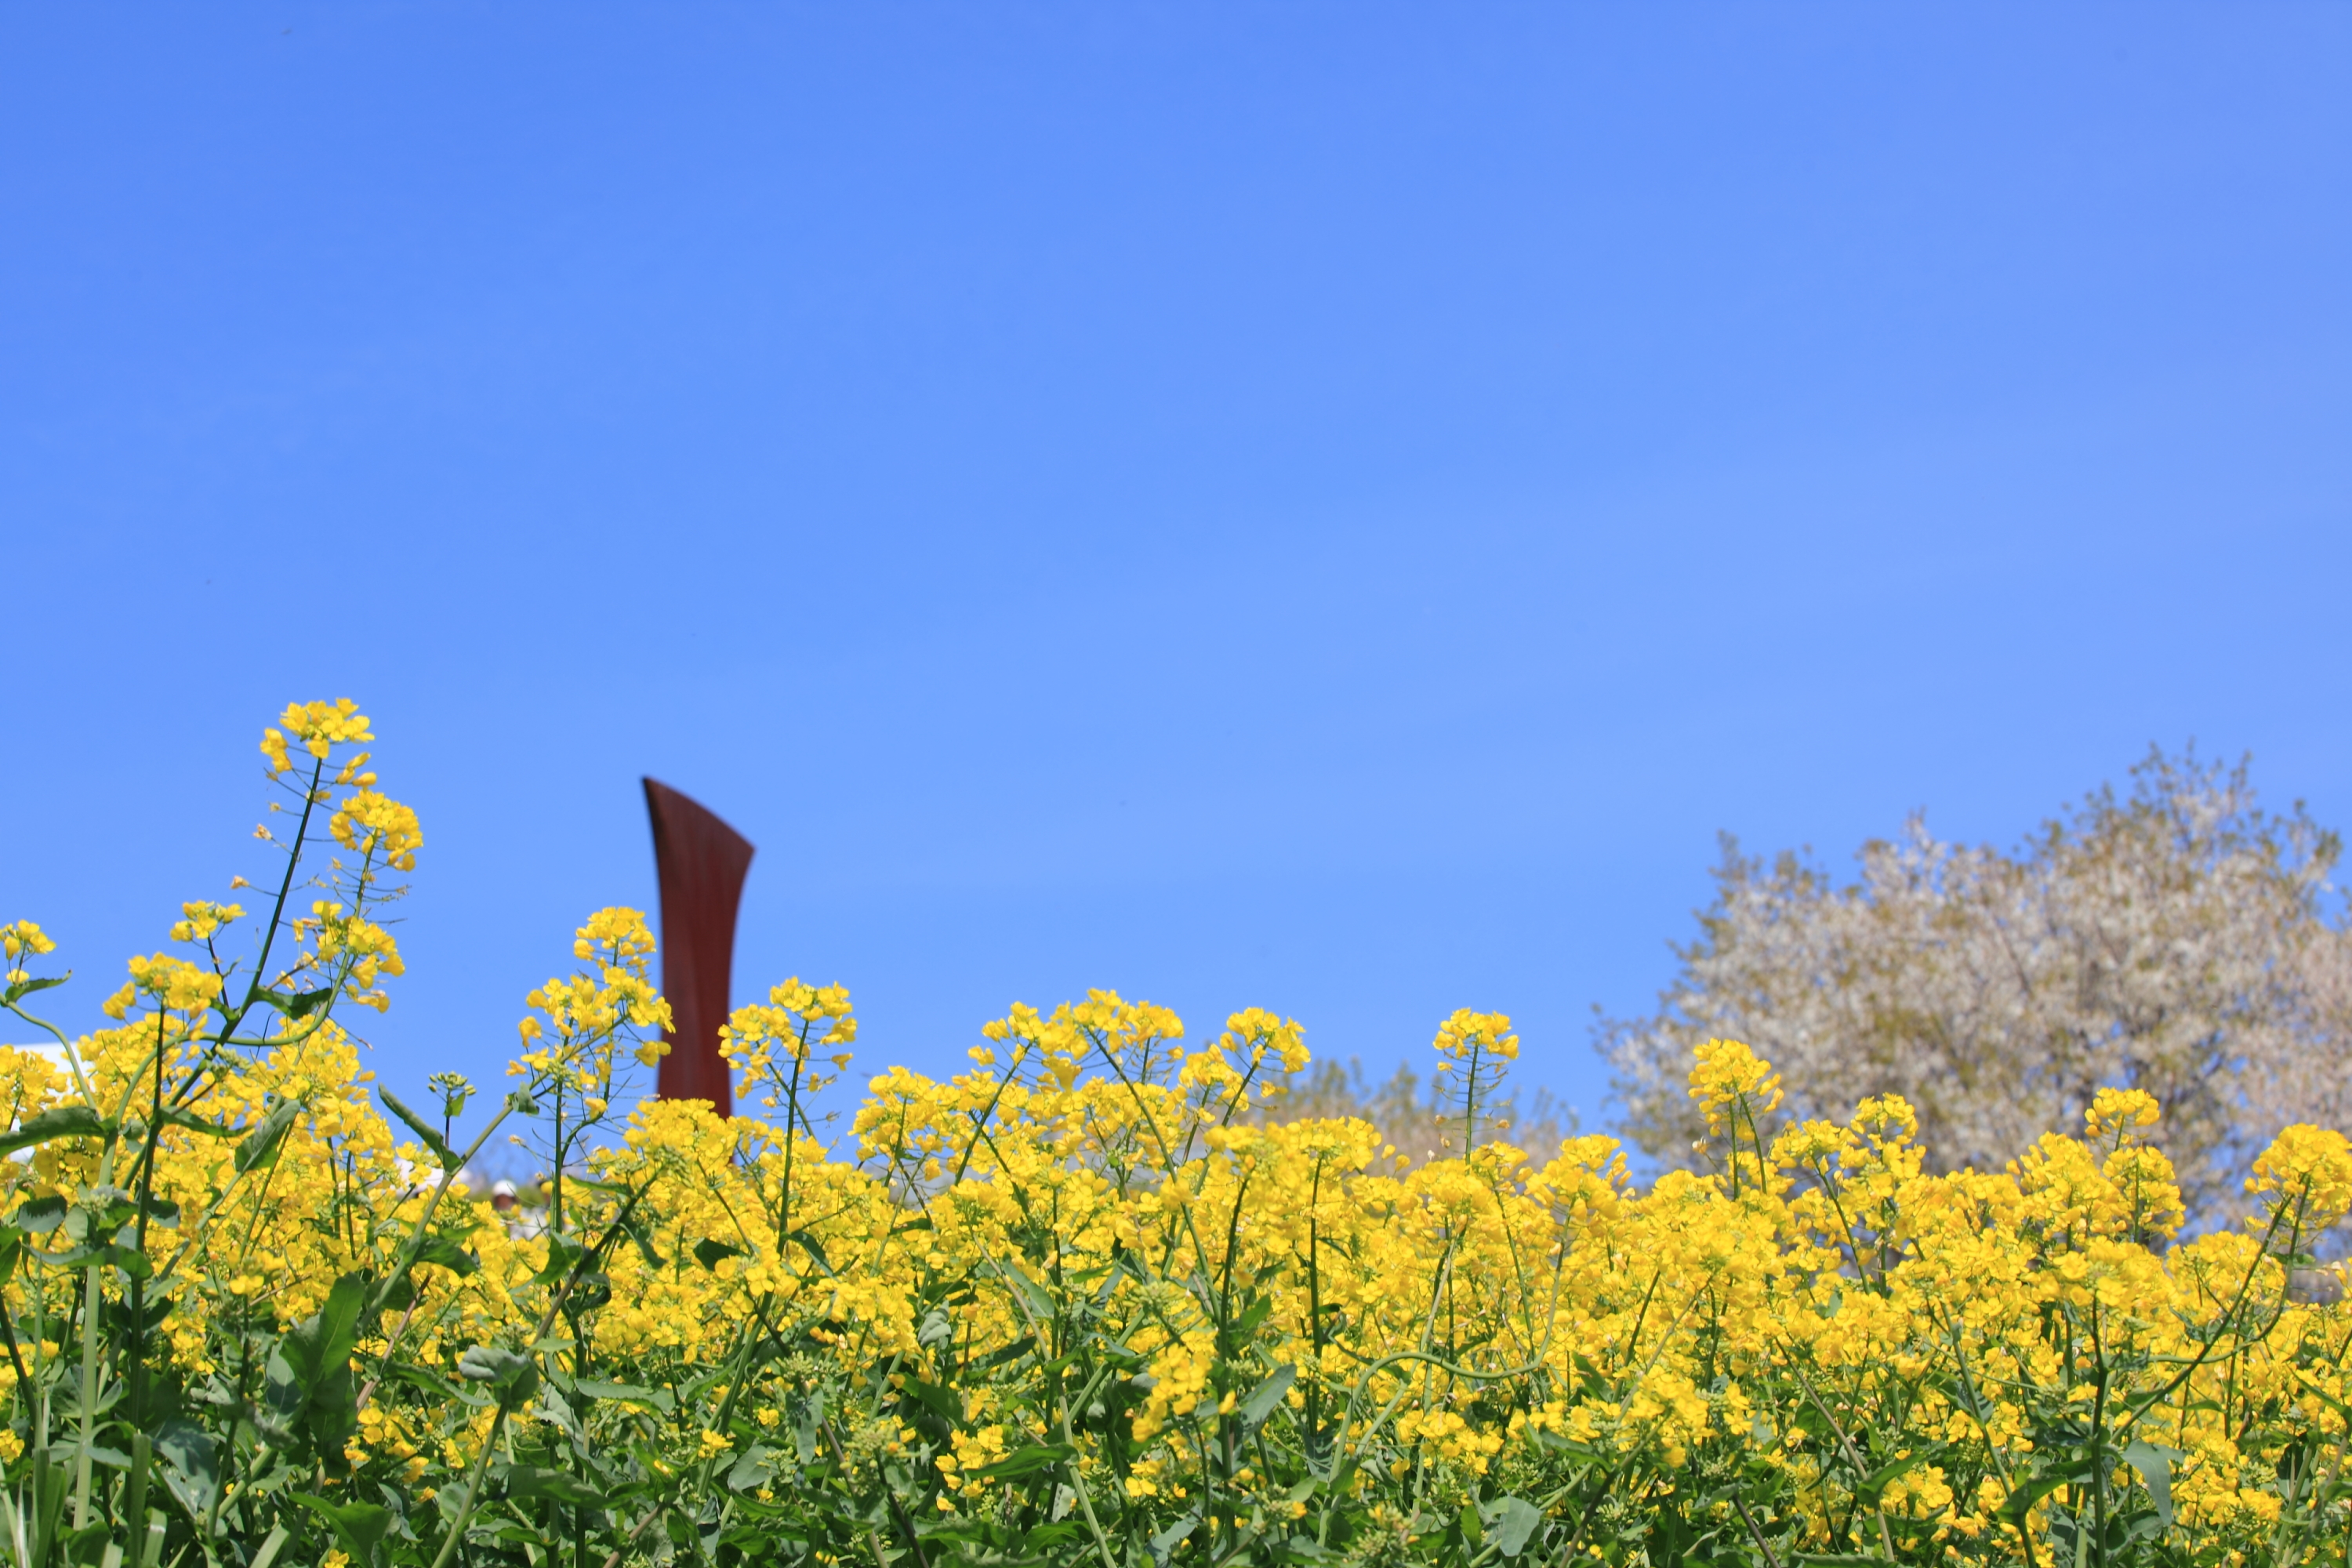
701, 862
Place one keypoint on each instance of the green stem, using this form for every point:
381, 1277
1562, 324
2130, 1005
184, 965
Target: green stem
88, 1395
473, 1489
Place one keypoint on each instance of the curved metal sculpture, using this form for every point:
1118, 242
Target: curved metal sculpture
701, 862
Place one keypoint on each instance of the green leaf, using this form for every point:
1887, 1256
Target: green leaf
260, 1145
1515, 1521
809, 1245
1004, 1355
397, 1290
446, 1253
1866, 1495
2021, 1502
296, 1005
643, 1238
431, 1139
57, 1121
179, 1116
423, 1378
1040, 1303
191, 1465
42, 1216
555, 1485
1265, 1397
562, 1253
752, 1472
309, 1374
628, 1393
130, 1259
2155, 1468
86, 1543
1023, 1462
278, 1537
709, 1253
937, 1400
557, 1411
360, 1524
806, 1414
511, 1376
1169, 1538
24, 988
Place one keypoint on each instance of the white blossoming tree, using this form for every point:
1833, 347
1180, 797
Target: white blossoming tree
2175, 937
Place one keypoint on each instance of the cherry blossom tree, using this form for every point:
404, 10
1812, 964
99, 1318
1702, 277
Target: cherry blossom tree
2174, 938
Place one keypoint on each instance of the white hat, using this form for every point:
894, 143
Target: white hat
502, 1189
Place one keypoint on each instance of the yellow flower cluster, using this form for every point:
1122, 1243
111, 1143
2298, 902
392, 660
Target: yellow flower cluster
319, 726
372, 824
200, 920
1093, 1301
797, 1018
1466, 1034
20, 940
583, 1018
1442, 1330
173, 984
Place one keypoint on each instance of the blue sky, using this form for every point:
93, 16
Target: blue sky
1325, 507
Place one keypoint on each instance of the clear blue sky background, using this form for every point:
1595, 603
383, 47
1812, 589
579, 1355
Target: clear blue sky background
1323, 506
